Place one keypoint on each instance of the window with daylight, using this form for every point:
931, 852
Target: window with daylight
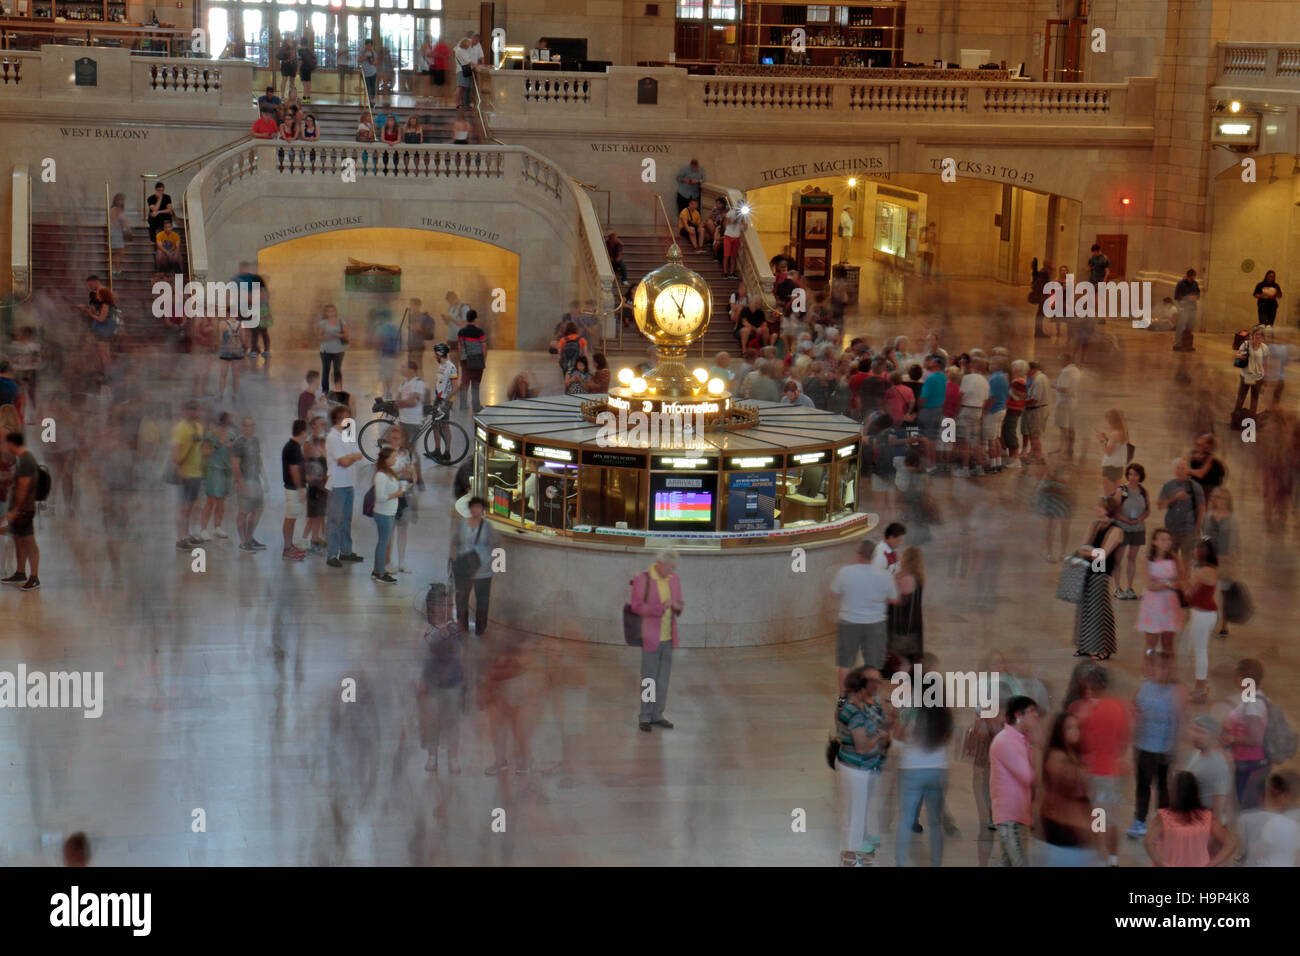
338, 28
722, 9
690, 9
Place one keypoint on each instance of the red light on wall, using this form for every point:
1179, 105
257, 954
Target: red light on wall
1125, 201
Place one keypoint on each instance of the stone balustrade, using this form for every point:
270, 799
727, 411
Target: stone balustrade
585, 100
20, 73
309, 188
1260, 65
123, 79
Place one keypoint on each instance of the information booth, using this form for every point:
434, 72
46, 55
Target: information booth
542, 467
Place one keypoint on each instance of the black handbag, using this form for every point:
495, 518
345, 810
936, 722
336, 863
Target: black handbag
466, 70
1239, 362
1074, 577
465, 565
1238, 608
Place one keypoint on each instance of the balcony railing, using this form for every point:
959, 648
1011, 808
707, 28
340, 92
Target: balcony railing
433, 174
582, 100
1263, 65
153, 79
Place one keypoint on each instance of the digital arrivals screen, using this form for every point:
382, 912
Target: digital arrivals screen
683, 502
684, 506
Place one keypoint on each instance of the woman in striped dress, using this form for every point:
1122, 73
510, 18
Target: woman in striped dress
1094, 622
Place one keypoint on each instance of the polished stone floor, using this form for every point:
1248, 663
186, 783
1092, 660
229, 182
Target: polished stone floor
223, 688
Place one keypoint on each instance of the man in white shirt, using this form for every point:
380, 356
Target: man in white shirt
864, 593
1067, 403
733, 224
341, 455
444, 393
974, 393
1272, 836
465, 56
410, 411
455, 317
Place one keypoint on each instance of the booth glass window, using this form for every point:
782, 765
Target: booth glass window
805, 501
844, 501
613, 495
690, 9
504, 484
550, 495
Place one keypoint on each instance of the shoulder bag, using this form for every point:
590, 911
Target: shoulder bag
465, 565
631, 619
1074, 577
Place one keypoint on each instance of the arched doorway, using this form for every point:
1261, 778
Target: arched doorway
306, 273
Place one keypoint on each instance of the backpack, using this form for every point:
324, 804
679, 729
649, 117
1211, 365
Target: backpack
472, 352
308, 60
43, 483
570, 351
1280, 740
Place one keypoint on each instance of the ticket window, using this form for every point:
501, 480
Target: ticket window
844, 487
504, 484
805, 498
613, 497
550, 494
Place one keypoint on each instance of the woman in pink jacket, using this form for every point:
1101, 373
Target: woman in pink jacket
657, 599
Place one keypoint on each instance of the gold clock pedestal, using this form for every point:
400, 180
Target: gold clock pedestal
672, 306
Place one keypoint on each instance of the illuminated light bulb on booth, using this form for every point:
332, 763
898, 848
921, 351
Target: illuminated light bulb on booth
1125, 201
638, 386
1235, 106
701, 375
852, 182
625, 376
716, 385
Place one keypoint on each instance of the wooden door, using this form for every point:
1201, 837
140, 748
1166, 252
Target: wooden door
689, 43
1115, 248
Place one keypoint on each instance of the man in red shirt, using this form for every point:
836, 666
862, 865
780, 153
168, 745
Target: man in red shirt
1105, 732
265, 127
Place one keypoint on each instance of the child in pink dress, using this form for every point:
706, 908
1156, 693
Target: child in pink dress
1160, 615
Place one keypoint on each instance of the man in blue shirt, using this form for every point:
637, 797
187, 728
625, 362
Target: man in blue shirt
688, 184
995, 410
9, 388
933, 389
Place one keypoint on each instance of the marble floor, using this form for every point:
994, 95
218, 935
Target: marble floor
223, 689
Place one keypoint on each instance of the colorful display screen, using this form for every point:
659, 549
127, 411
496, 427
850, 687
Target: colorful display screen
684, 506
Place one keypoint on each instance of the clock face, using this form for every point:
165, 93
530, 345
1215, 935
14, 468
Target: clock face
679, 310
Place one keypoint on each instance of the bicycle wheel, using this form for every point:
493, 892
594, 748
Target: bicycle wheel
457, 442
372, 435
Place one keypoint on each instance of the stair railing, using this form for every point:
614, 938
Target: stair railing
198, 161
20, 244
108, 229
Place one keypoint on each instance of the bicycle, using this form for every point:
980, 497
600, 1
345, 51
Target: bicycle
455, 438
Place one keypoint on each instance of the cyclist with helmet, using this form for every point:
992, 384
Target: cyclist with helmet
443, 392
